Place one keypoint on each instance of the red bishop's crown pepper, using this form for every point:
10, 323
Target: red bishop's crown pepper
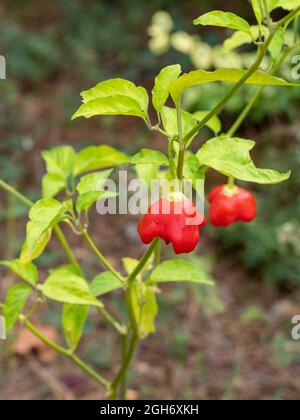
230, 205
175, 222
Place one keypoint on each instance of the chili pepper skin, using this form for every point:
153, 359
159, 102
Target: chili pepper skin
175, 222
226, 208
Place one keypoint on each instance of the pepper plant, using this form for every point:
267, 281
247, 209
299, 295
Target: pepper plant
72, 185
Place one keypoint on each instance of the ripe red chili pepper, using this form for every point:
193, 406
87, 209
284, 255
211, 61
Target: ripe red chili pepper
175, 222
228, 206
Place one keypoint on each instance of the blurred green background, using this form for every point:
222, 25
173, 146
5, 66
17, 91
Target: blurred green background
53, 51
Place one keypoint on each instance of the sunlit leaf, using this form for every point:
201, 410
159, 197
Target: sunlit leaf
120, 87
73, 321
64, 286
15, 302
149, 156
224, 20
27, 272
163, 82
104, 283
231, 157
98, 157
228, 75
179, 271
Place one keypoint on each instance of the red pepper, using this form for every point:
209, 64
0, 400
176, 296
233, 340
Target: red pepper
175, 222
228, 206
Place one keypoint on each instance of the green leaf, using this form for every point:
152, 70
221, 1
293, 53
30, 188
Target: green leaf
43, 215
110, 105
145, 308
276, 45
121, 87
59, 160
52, 184
149, 157
192, 172
170, 124
40, 244
224, 20
179, 271
93, 182
104, 283
130, 264
288, 4
147, 172
239, 38
73, 321
98, 157
27, 272
163, 82
214, 123
231, 157
199, 77
257, 9
85, 201
64, 286
15, 302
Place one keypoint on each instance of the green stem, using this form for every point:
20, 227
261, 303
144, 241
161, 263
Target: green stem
66, 247
245, 112
181, 142
232, 91
171, 156
143, 261
6, 187
122, 329
64, 352
231, 183
124, 382
99, 254
123, 371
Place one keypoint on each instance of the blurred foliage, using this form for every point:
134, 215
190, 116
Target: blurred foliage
270, 246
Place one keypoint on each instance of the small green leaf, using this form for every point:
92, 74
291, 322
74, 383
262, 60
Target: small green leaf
170, 123
238, 38
276, 45
93, 182
121, 87
87, 200
224, 20
199, 77
59, 160
192, 173
98, 157
163, 82
15, 302
179, 271
231, 157
145, 308
288, 4
64, 286
52, 184
257, 9
110, 105
104, 283
38, 248
43, 215
147, 172
149, 157
214, 123
73, 321
27, 272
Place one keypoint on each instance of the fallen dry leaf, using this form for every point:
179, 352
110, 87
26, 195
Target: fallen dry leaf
27, 342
